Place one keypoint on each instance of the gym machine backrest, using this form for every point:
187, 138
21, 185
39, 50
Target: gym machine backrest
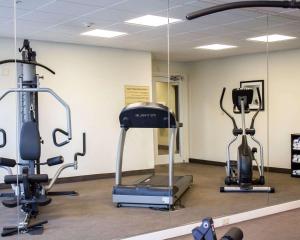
30, 142
206, 231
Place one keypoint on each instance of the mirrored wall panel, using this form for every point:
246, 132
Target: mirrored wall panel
222, 74
89, 69
283, 45
124, 114
8, 120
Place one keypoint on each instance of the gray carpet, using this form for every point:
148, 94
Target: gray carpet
276, 227
92, 215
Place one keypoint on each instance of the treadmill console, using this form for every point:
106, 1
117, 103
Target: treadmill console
147, 115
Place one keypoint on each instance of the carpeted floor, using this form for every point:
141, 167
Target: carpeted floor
275, 227
92, 215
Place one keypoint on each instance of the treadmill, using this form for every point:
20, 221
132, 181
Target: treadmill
154, 191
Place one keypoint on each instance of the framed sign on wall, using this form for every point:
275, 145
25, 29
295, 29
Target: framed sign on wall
255, 84
134, 94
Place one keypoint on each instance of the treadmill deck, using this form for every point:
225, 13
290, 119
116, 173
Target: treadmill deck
152, 191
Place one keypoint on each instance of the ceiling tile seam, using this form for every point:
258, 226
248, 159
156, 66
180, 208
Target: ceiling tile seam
70, 20
216, 26
31, 11
82, 15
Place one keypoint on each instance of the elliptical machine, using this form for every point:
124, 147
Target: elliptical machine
240, 172
31, 189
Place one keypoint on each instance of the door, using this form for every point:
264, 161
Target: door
168, 94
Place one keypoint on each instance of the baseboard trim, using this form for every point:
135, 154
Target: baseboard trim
93, 177
218, 222
222, 164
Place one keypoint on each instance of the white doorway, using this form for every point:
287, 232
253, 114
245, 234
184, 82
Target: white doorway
170, 94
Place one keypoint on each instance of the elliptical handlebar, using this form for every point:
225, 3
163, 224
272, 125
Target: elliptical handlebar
221, 106
258, 110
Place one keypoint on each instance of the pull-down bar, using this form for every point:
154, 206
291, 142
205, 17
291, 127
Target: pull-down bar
242, 4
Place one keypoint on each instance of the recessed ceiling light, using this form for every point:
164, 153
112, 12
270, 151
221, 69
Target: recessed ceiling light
103, 33
152, 21
216, 47
271, 38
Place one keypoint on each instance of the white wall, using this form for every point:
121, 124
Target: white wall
210, 129
175, 67
91, 80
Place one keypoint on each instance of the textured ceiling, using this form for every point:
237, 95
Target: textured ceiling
64, 20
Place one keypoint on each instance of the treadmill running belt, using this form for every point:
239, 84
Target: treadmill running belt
157, 181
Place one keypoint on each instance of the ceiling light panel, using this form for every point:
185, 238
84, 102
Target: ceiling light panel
216, 47
271, 38
103, 33
152, 20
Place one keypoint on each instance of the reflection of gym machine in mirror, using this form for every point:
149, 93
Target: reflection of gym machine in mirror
206, 231
154, 191
241, 171
29, 189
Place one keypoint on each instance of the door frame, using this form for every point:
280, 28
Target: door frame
182, 156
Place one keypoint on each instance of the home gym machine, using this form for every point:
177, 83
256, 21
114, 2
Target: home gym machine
241, 171
31, 189
206, 231
155, 191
